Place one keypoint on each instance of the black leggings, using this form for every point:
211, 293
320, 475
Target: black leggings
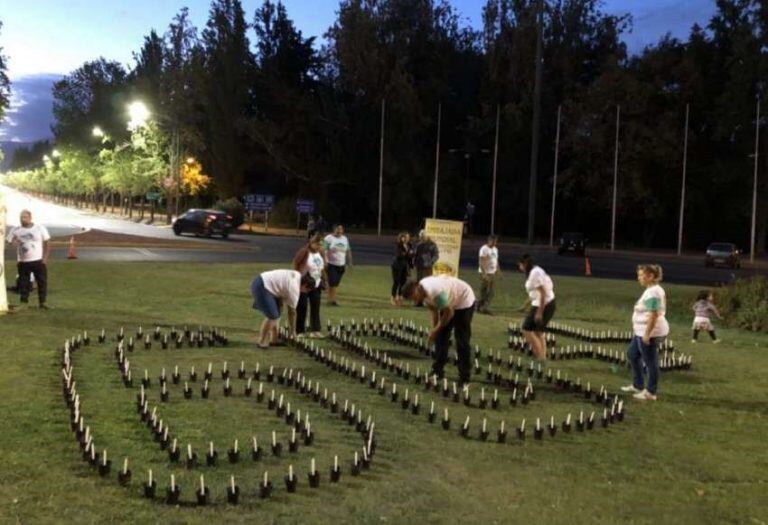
313, 298
712, 334
399, 278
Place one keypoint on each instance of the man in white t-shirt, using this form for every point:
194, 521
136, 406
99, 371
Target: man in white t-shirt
270, 291
32, 252
339, 256
452, 303
489, 269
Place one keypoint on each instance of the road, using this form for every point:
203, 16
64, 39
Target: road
366, 249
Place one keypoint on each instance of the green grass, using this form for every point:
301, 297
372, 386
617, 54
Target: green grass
697, 455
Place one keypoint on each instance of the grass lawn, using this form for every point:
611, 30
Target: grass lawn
698, 455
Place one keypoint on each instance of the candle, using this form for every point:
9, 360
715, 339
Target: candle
189, 451
266, 478
210, 367
522, 426
232, 483
445, 414
224, 368
466, 423
432, 407
568, 419
484, 424
149, 482
202, 484
538, 424
173, 483
210, 448
174, 445
274, 439
312, 466
290, 472
255, 444
552, 421
104, 457
125, 466
356, 460
293, 434
335, 462
501, 428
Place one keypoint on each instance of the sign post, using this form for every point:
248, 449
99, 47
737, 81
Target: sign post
261, 203
3, 295
447, 236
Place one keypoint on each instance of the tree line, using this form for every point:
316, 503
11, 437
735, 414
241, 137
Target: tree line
266, 109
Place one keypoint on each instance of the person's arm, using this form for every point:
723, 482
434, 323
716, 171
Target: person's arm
440, 320
349, 256
539, 315
652, 317
291, 320
715, 310
46, 251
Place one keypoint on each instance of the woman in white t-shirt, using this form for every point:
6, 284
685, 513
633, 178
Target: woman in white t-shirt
310, 260
650, 327
541, 298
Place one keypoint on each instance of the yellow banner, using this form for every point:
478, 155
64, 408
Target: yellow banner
447, 236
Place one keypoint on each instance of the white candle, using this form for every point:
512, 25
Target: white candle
484, 424
445, 414
146, 374
293, 435
173, 483
125, 466
202, 484
538, 424
431, 407
274, 439
290, 472
335, 462
205, 385
174, 446
266, 478
522, 426
356, 460
466, 422
232, 483
150, 478
189, 451
312, 466
255, 443
501, 428
210, 448
224, 368
568, 419
227, 383
261, 388
104, 457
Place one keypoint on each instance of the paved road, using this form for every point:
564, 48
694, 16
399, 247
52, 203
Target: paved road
366, 249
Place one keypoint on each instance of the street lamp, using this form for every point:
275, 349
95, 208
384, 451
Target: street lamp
139, 114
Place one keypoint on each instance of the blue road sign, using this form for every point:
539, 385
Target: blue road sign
259, 202
305, 206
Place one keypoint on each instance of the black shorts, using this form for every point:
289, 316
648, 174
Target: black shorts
334, 275
530, 324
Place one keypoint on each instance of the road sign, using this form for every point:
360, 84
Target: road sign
305, 206
154, 195
259, 202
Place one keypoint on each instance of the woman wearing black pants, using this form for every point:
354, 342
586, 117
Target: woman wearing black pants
310, 260
401, 267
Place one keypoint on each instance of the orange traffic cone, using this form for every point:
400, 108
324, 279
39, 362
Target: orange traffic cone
72, 250
587, 267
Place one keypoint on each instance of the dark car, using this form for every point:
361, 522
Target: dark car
723, 254
572, 242
203, 222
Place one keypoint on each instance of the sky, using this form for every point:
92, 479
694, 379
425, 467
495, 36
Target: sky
44, 39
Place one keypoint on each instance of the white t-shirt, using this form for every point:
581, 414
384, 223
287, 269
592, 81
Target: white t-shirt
30, 241
537, 278
336, 249
283, 284
491, 256
314, 267
444, 291
654, 299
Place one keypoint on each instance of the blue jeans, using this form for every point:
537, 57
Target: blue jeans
639, 353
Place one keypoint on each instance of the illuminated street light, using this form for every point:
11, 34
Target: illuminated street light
139, 115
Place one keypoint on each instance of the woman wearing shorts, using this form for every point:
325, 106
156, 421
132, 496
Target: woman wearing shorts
541, 298
270, 290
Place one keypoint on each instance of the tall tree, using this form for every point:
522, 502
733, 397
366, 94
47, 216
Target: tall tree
229, 69
5, 83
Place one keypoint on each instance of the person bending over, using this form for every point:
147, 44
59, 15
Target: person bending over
541, 298
451, 302
270, 290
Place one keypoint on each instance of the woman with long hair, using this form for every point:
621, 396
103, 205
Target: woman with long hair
649, 323
401, 267
310, 260
541, 299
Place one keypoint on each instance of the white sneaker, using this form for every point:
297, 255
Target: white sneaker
318, 335
630, 388
645, 396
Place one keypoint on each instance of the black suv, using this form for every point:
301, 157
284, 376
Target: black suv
572, 242
203, 222
723, 253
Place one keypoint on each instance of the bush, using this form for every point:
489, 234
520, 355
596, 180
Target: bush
744, 304
234, 208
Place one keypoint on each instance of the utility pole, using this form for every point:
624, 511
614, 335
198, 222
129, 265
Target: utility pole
554, 180
381, 162
437, 158
754, 187
615, 179
682, 192
536, 124
495, 167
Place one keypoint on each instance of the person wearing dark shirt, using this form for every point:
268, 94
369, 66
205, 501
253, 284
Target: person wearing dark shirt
401, 267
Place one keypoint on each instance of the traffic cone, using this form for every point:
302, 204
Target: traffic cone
72, 250
587, 267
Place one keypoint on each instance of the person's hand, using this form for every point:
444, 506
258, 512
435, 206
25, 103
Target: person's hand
432, 335
646, 340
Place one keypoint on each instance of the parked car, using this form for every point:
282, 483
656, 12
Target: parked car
724, 254
572, 242
203, 222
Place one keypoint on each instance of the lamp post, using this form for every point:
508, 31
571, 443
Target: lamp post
468, 154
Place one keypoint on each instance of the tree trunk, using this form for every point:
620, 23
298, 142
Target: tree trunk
130, 207
141, 208
152, 211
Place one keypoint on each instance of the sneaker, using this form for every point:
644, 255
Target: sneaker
645, 396
317, 335
631, 388
716, 341
261, 346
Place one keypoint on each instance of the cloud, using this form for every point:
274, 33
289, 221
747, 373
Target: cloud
30, 114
